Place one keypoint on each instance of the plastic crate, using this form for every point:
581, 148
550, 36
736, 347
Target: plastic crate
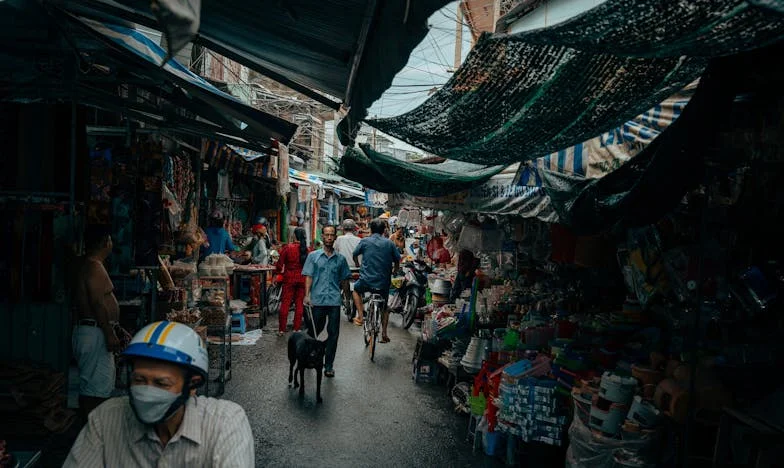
425, 371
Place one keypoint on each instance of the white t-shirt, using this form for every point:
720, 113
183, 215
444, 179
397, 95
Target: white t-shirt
345, 245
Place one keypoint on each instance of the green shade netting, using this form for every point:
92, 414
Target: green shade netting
522, 96
389, 174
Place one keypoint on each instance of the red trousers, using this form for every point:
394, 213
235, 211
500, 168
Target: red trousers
296, 292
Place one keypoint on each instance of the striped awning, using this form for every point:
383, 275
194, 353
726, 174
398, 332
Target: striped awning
601, 155
215, 108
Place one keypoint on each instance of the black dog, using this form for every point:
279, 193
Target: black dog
306, 353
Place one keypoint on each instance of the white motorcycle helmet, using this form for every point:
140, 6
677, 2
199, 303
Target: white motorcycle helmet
171, 342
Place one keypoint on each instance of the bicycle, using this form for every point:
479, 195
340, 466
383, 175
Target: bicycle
347, 303
372, 323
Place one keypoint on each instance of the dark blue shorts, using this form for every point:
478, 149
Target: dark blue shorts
361, 287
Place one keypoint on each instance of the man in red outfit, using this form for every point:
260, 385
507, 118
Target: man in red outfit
292, 257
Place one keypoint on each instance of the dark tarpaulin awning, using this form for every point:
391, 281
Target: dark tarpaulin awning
347, 49
389, 174
51, 57
240, 117
522, 96
355, 165
653, 182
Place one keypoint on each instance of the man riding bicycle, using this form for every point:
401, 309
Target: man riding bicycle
380, 258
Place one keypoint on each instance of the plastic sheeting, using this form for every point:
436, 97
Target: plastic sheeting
499, 195
519, 97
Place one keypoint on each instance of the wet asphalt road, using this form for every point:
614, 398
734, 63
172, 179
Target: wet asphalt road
373, 414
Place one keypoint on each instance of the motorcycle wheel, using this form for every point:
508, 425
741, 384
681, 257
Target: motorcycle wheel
409, 311
348, 309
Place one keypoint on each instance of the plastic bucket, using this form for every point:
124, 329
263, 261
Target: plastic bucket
493, 442
617, 389
609, 421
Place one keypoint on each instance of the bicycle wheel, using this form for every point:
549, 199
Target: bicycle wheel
367, 325
374, 343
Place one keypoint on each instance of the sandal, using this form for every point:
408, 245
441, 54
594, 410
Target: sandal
358, 322
384, 339
280, 333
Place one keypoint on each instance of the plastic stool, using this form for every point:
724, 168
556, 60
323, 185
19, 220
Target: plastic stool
238, 322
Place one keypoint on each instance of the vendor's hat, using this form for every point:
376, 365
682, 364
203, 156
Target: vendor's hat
258, 227
262, 220
384, 215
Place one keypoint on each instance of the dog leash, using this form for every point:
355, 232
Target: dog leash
309, 309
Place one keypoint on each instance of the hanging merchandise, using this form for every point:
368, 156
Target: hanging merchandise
171, 207
478, 239
303, 192
641, 262
223, 185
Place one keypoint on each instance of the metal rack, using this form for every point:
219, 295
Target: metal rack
223, 373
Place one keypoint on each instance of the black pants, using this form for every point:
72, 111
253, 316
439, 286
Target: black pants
320, 316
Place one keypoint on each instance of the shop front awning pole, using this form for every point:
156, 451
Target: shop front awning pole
72, 170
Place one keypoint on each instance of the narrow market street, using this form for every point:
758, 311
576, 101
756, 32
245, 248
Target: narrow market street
373, 414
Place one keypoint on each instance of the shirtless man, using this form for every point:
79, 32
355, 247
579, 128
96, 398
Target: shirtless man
96, 313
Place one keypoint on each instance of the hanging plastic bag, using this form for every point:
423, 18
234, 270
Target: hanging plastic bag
172, 207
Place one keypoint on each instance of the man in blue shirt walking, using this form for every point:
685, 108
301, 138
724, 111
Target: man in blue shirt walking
380, 258
326, 272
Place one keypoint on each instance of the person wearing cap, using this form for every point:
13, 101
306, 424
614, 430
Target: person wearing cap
162, 422
258, 248
218, 239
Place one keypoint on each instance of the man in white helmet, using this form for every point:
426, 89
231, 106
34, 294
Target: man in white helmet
162, 422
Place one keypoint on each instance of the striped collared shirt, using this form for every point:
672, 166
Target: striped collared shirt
214, 433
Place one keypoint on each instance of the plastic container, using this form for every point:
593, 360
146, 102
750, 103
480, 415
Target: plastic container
617, 389
493, 442
608, 421
644, 413
582, 404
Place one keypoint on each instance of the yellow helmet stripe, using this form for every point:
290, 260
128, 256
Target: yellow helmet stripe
165, 333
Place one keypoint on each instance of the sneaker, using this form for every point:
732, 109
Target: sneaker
329, 373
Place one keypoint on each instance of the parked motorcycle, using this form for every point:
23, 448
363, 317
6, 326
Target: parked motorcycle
411, 293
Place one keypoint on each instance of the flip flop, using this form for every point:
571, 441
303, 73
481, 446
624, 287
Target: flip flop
358, 322
384, 339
